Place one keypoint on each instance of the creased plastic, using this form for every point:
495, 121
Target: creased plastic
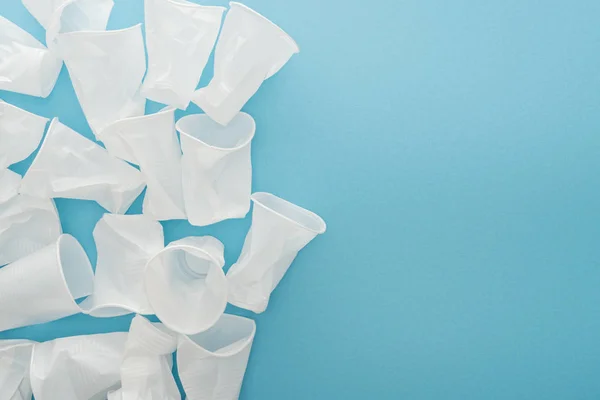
15, 358
250, 49
106, 68
180, 36
147, 363
212, 364
150, 141
72, 166
124, 244
20, 133
77, 367
26, 65
9, 185
43, 286
27, 224
278, 232
43, 10
186, 285
216, 167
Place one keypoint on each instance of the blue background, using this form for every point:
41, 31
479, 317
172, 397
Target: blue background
453, 148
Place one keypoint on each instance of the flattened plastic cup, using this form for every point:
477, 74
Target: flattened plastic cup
186, 286
43, 286
212, 364
278, 232
216, 167
250, 50
15, 358
72, 166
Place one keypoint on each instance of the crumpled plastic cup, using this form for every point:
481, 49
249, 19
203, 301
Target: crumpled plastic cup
106, 68
186, 285
124, 244
150, 141
27, 224
9, 185
180, 36
216, 167
15, 358
72, 166
212, 364
77, 367
250, 50
26, 65
20, 133
278, 232
43, 286
147, 363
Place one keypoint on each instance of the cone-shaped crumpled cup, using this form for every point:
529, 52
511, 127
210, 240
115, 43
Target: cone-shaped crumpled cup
15, 358
180, 36
216, 167
250, 49
186, 285
278, 232
72, 166
212, 364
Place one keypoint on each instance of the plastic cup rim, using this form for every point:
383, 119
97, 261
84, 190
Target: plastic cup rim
204, 115
256, 200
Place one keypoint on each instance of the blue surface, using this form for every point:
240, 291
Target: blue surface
453, 148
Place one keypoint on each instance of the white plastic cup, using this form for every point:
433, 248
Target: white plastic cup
43, 286
124, 244
15, 358
26, 65
27, 224
186, 286
20, 133
250, 50
9, 185
150, 141
180, 36
278, 232
147, 363
72, 166
77, 367
43, 10
106, 68
212, 364
216, 167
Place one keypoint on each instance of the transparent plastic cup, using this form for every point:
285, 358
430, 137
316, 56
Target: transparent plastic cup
180, 36
43, 286
278, 232
72, 166
250, 50
216, 167
212, 364
150, 141
26, 65
27, 224
186, 286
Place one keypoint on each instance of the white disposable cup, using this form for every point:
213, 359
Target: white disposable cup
15, 358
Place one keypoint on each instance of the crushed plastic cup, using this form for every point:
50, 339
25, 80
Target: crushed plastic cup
15, 358
124, 244
20, 133
27, 224
9, 185
43, 10
250, 50
71, 166
150, 141
216, 167
76, 16
186, 285
77, 367
43, 286
106, 68
278, 232
147, 363
180, 36
212, 364
26, 65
